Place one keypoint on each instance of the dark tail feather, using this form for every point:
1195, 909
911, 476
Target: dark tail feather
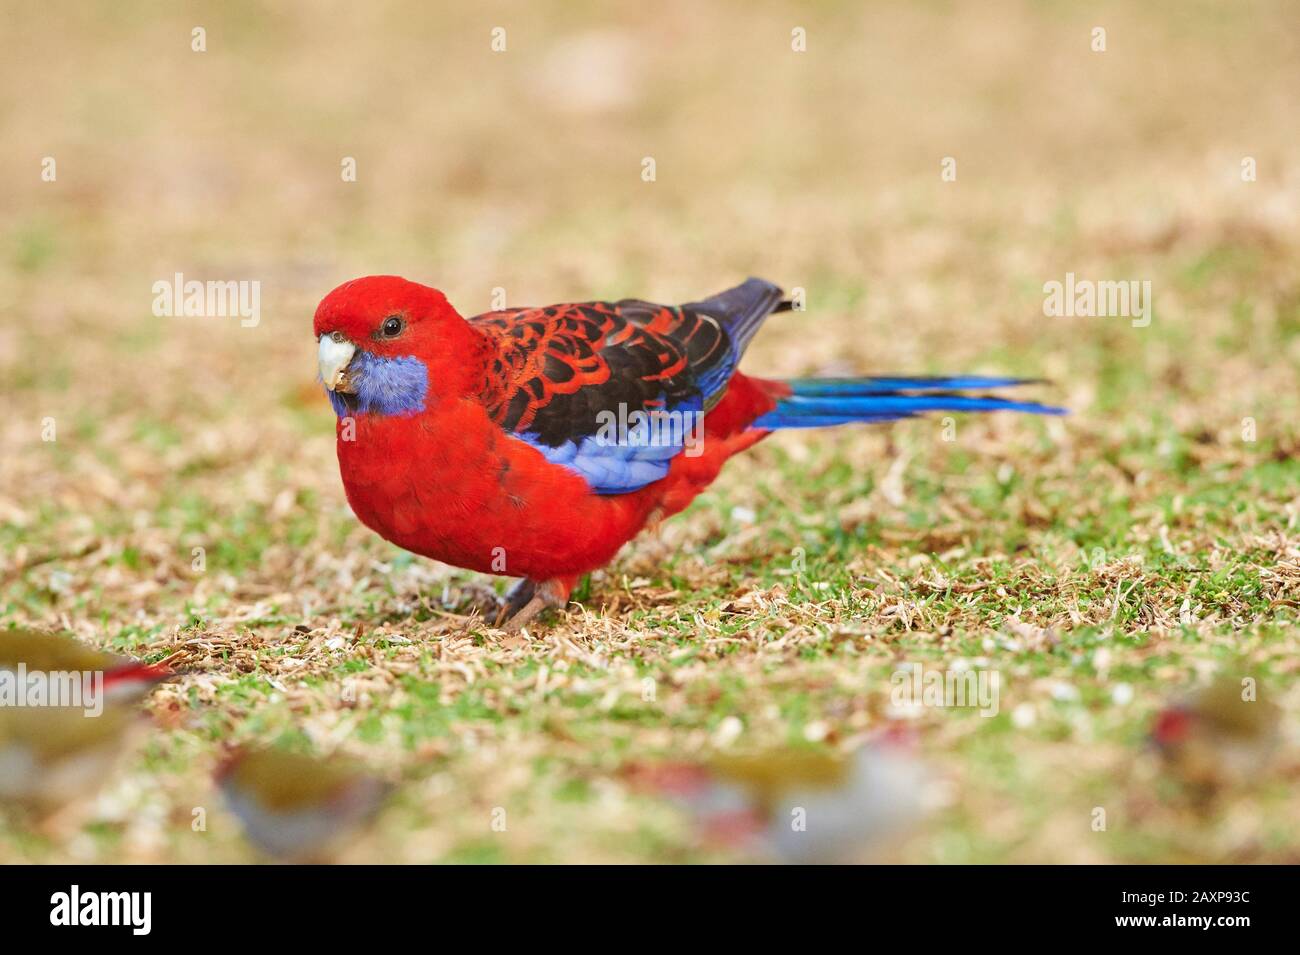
741, 310
818, 402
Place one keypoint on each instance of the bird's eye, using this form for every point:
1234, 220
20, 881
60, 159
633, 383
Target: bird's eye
392, 327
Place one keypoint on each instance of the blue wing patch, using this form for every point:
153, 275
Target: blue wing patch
628, 450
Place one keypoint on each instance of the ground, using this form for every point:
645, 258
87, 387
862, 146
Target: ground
168, 486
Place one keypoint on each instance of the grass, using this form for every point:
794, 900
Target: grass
1103, 563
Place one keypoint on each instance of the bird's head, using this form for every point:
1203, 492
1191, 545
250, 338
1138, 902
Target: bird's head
387, 346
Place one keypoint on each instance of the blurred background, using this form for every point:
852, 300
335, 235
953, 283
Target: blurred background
522, 169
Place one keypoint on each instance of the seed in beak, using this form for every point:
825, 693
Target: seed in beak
333, 358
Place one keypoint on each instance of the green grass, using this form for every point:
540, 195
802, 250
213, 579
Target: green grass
1104, 564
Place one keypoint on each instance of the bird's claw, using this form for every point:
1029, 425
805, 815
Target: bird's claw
527, 599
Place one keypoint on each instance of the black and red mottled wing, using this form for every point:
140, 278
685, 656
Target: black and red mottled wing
560, 371
558, 367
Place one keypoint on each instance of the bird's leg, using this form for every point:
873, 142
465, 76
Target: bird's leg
516, 599
534, 597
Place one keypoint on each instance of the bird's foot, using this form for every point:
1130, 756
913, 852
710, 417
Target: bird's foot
528, 598
516, 599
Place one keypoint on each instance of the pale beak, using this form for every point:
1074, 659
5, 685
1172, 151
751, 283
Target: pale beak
333, 358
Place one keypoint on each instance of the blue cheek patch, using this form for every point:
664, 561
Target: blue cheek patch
385, 386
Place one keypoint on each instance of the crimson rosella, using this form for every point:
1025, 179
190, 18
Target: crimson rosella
536, 442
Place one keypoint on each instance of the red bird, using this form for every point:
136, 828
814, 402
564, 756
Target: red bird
536, 442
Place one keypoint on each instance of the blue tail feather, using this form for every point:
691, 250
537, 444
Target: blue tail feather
895, 384
819, 402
